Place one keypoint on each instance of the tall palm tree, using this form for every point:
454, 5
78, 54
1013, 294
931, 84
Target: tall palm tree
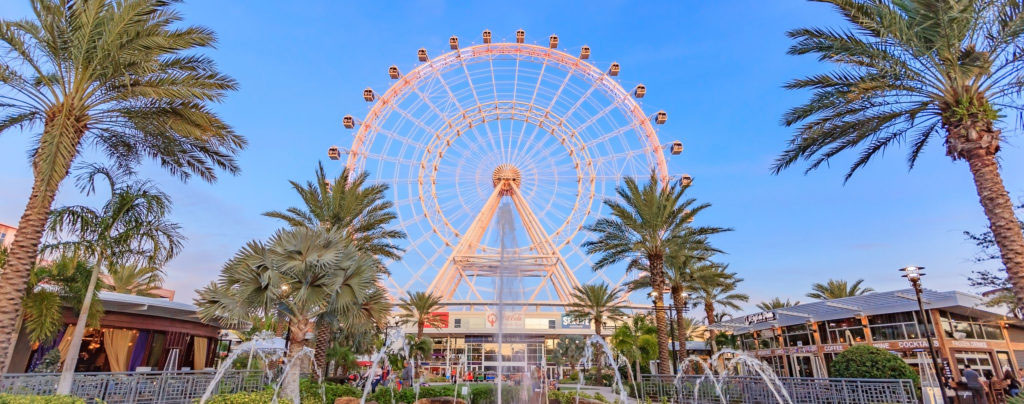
52, 287
134, 279
776, 303
418, 308
835, 289
692, 329
359, 210
645, 222
596, 303
716, 288
637, 341
125, 77
909, 72
130, 227
299, 274
682, 267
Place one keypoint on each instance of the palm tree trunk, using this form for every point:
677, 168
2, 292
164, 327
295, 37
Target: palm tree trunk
599, 349
660, 319
681, 334
323, 341
999, 210
67, 374
296, 343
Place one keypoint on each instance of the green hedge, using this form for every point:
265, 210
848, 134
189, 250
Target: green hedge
868, 362
259, 397
483, 393
19, 399
569, 396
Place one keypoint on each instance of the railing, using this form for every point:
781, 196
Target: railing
135, 387
752, 389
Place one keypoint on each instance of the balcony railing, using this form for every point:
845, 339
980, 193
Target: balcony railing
136, 387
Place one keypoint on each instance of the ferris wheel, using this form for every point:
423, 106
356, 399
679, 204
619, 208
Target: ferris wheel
503, 127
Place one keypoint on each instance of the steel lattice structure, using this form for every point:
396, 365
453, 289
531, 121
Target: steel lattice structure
529, 125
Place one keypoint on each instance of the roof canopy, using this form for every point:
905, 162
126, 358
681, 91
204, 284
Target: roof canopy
868, 304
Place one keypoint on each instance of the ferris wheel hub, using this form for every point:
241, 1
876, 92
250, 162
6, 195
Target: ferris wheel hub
506, 173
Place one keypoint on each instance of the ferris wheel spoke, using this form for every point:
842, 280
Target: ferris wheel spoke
554, 99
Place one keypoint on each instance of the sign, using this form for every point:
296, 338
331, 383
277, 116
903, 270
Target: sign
573, 323
759, 318
512, 319
906, 345
968, 344
440, 315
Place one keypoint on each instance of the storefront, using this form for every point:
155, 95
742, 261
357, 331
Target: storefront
801, 341
135, 333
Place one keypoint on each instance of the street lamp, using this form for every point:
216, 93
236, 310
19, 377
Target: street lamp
914, 274
671, 328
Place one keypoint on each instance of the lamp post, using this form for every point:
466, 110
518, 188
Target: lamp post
914, 274
671, 329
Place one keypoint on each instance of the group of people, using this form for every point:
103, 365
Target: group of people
382, 377
1009, 383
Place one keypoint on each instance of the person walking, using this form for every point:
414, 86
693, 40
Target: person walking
407, 375
1012, 383
974, 384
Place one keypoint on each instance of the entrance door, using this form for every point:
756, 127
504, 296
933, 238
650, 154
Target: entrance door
807, 365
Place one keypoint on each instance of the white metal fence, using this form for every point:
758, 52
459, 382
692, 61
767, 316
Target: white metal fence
179, 387
752, 389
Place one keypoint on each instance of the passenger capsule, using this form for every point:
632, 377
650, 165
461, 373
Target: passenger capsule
348, 122
553, 41
660, 117
368, 94
585, 52
520, 36
487, 36
422, 54
614, 69
393, 72
686, 179
677, 147
639, 91
333, 153
453, 42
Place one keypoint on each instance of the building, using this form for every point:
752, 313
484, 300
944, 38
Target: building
801, 341
135, 333
527, 339
7, 235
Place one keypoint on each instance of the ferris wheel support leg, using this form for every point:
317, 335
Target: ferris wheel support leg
562, 278
450, 275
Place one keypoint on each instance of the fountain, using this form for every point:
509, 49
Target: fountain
740, 364
264, 345
394, 341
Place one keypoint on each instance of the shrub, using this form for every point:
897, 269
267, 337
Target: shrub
868, 362
310, 391
569, 396
19, 399
257, 397
478, 393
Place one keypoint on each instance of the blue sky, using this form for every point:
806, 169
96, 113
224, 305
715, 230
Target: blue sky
716, 67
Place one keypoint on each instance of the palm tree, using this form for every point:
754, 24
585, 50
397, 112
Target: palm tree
418, 308
133, 279
596, 303
130, 227
909, 72
683, 266
360, 211
692, 329
636, 340
644, 224
299, 274
346, 202
3, 257
124, 77
715, 287
570, 349
776, 303
52, 287
835, 289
